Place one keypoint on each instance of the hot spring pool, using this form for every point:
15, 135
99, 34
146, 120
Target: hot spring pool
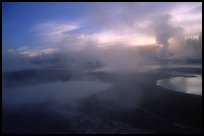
192, 85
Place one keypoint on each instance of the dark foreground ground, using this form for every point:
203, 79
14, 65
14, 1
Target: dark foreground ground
156, 110
134, 104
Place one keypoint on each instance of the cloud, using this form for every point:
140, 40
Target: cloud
54, 31
38, 52
105, 38
23, 48
188, 16
114, 25
185, 7
126, 23
25, 51
134, 17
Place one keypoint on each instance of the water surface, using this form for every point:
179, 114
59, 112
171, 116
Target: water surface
192, 85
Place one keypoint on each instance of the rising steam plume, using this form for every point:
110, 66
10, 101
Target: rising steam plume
164, 30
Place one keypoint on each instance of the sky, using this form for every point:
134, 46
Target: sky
46, 26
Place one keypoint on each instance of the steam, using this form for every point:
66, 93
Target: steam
67, 70
69, 47
164, 30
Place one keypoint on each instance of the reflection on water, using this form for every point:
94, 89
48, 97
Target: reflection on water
191, 85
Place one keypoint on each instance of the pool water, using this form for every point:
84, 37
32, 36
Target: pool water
192, 85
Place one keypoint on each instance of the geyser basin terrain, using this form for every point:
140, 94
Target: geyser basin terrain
98, 102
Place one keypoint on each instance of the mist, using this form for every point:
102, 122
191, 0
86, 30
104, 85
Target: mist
95, 69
